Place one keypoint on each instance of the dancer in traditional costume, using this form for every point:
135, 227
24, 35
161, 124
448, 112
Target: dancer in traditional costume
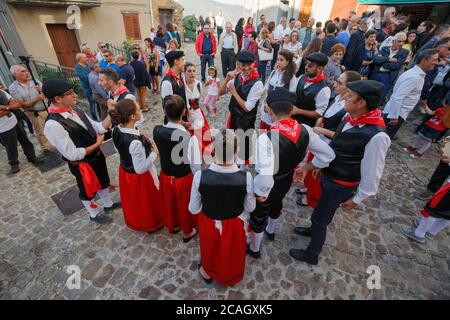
138, 178
222, 197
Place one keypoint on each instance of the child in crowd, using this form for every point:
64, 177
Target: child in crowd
212, 90
431, 130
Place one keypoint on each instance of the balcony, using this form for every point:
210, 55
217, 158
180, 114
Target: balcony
57, 3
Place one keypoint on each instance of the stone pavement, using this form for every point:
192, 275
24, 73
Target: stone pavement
38, 243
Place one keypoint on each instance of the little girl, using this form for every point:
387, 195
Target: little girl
212, 90
431, 130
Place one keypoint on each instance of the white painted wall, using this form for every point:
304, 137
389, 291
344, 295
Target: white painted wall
321, 10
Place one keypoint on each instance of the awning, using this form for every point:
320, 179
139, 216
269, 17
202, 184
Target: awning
399, 2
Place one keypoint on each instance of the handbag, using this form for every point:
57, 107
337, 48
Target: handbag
264, 55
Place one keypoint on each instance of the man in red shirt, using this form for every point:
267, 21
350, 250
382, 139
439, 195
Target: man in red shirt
206, 47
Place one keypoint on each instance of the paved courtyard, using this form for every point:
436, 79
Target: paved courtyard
38, 243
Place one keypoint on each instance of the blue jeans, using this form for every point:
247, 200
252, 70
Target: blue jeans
262, 66
332, 196
385, 79
92, 104
205, 58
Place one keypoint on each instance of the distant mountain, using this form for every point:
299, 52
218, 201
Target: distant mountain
232, 9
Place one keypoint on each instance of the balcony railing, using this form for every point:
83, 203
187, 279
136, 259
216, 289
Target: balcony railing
57, 3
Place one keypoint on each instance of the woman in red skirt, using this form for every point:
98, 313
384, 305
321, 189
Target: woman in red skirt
222, 196
138, 179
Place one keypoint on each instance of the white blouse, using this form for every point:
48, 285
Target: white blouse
197, 117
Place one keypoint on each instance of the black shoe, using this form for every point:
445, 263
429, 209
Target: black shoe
207, 280
299, 191
14, 169
101, 219
47, 153
36, 160
303, 231
271, 236
114, 206
186, 240
301, 203
150, 232
253, 254
303, 255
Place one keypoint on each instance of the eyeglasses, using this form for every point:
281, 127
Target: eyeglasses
102, 47
106, 56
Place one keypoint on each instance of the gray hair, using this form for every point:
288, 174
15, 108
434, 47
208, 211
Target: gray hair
228, 23
425, 54
441, 29
366, 21
15, 68
119, 57
84, 46
79, 55
400, 36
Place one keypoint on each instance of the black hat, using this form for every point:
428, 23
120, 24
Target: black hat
280, 94
171, 56
370, 90
55, 87
245, 56
319, 58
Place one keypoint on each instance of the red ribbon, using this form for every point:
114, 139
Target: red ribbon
53, 109
372, 117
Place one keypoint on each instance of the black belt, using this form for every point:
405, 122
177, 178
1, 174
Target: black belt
228, 48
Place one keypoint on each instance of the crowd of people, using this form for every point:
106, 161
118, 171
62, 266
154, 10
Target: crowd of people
330, 101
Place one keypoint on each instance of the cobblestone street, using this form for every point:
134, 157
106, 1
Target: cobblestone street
38, 243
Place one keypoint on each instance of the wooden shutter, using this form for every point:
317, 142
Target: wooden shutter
132, 27
65, 44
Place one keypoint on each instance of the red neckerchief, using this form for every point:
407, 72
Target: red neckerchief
53, 109
172, 74
372, 117
289, 128
253, 75
319, 78
121, 89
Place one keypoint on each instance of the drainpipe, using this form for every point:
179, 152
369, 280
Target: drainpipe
151, 12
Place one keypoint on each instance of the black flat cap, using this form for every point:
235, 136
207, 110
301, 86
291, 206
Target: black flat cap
318, 57
281, 94
245, 57
55, 87
171, 56
370, 90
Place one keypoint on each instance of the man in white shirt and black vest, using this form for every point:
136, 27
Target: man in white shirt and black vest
173, 82
360, 145
278, 152
78, 138
246, 89
313, 94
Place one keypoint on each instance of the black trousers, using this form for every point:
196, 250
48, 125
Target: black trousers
228, 60
276, 48
439, 176
98, 164
219, 32
9, 140
332, 196
391, 130
272, 206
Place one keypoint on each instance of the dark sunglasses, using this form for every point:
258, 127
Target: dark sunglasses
102, 46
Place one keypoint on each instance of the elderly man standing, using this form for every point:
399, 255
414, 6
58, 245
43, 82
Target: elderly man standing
99, 94
82, 71
355, 41
126, 74
307, 33
32, 99
101, 50
205, 45
228, 47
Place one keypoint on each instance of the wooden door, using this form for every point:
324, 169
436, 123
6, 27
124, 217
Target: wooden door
165, 16
305, 11
132, 26
65, 44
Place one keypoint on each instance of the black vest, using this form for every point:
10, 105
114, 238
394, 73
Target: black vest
287, 153
81, 137
120, 97
333, 122
122, 143
305, 99
195, 103
178, 90
237, 112
271, 87
223, 194
349, 147
163, 140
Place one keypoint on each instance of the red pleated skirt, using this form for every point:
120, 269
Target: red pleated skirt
222, 254
313, 186
203, 135
175, 195
140, 201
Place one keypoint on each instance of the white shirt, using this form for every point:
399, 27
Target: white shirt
99, 56
219, 21
253, 96
197, 118
195, 203
322, 99
337, 106
228, 41
7, 122
287, 32
392, 53
194, 156
60, 139
372, 164
213, 87
265, 159
276, 80
406, 93
278, 33
167, 90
